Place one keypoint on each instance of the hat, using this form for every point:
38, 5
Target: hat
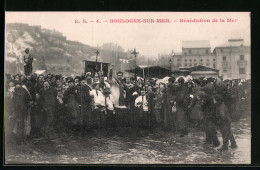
70, 81
13, 81
189, 77
59, 86
171, 79
89, 77
88, 73
196, 81
140, 78
200, 94
218, 98
181, 80
119, 73
58, 76
77, 77
135, 93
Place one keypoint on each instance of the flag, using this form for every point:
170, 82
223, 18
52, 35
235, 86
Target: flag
124, 60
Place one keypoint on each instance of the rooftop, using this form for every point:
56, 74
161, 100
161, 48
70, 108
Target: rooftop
196, 44
233, 43
203, 72
151, 66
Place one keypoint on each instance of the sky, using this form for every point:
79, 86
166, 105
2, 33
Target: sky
149, 39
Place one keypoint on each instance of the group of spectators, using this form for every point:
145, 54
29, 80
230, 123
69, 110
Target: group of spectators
38, 105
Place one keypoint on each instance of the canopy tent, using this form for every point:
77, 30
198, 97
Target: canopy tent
185, 79
206, 74
201, 71
151, 71
181, 72
202, 68
100, 67
164, 80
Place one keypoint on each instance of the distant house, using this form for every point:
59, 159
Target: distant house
194, 53
234, 59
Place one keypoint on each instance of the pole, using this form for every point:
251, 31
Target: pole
101, 70
81, 115
149, 123
149, 114
84, 67
230, 62
148, 68
135, 67
96, 69
135, 54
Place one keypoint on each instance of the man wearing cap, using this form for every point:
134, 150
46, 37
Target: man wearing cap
53, 81
129, 100
28, 60
103, 84
76, 81
153, 84
209, 118
139, 85
84, 100
208, 86
98, 100
129, 91
71, 103
120, 83
109, 104
22, 104
182, 99
142, 104
89, 82
169, 116
224, 123
47, 101
159, 103
39, 83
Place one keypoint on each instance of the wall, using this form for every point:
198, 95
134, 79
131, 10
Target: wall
196, 51
233, 62
194, 60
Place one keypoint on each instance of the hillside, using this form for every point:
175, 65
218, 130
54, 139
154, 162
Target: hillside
50, 44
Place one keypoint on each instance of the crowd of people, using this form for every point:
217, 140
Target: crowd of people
37, 105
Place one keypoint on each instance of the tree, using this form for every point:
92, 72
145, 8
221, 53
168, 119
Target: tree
112, 47
42, 64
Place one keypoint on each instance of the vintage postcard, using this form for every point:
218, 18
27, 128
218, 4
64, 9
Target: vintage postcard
127, 88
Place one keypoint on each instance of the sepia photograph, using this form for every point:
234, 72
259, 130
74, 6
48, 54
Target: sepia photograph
127, 88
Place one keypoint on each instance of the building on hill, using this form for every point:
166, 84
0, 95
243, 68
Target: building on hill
195, 47
195, 53
234, 59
